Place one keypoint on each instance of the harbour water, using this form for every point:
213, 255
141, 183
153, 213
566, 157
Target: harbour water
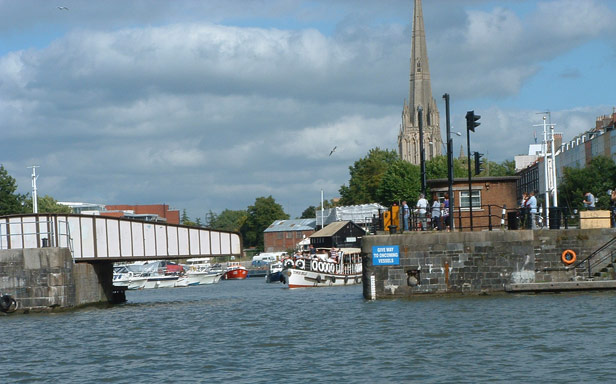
252, 332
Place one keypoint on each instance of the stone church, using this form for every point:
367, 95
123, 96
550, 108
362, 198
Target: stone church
420, 98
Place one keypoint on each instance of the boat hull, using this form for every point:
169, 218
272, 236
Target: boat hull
161, 282
318, 273
236, 274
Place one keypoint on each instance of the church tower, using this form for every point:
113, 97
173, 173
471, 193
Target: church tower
420, 95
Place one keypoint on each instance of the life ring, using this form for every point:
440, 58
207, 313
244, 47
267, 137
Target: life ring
288, 263
321, 267
314, 265
568, 257
300, 264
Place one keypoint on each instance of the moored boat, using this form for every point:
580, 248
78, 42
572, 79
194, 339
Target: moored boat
274, 273
337, 267
235, 271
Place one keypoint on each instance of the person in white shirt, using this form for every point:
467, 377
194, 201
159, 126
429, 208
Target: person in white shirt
532, 205
422, 206
436, 213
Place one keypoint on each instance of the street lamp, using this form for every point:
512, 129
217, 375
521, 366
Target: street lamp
422, 156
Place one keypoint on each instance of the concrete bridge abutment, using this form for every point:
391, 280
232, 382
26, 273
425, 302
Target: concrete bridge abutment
43, 279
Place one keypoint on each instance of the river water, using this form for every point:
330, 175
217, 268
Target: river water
252, 332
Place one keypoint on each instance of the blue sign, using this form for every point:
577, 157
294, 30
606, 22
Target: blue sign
385, 255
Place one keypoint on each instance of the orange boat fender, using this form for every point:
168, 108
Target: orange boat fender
568, 257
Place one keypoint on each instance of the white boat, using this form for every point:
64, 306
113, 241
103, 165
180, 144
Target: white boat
198, 278
161, 281
123, 277
337, 267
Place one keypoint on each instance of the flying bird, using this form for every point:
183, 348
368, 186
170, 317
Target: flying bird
63, 8
333, 150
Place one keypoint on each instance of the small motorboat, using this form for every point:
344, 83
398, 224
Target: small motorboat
235, 271
274, 273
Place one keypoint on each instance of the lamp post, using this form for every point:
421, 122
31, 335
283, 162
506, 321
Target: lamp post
422, 159
449, 162
34, 190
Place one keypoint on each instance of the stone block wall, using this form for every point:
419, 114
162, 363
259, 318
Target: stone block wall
46, 278
475, 262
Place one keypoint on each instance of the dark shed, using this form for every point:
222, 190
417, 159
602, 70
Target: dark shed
341, 234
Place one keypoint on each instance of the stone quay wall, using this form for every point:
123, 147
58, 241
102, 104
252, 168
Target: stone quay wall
42, 279
474, 262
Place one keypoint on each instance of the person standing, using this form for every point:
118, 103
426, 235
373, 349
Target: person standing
524, 210
532, 206
589, 201
613, 206
436, 213
406, 215
445, 214
422, 207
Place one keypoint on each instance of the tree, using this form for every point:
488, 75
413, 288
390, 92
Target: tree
185, 220
10, 202
596, 178
506, 168
366, 175
436, 168
401, 181
309, 213
260, 216
229, 220
47, 204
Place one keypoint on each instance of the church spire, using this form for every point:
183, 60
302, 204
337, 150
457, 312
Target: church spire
420, 89
420, 95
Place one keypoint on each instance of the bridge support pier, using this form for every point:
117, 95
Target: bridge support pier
43, 279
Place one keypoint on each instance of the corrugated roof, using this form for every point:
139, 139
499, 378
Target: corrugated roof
331, 229
292, 225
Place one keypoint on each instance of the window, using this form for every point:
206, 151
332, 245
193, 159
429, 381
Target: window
464, 199
279, 235
289, 235
299, 235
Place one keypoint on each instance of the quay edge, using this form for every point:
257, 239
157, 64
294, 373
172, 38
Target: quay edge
443, 263
47, 279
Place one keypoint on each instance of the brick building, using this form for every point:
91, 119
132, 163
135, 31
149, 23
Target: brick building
150, 212
282, 235
489, 196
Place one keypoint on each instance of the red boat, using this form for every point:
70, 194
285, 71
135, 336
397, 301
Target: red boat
235, 271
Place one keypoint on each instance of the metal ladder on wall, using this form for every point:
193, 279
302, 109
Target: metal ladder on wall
600, 264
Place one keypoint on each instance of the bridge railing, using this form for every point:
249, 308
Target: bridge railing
97, 238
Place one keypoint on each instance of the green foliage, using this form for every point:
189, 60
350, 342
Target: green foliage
401, 181
47, 204
185, 220
309, 212
506, 168
228, 220
366, 175
10, 202
436, 168
260, 215
596, 178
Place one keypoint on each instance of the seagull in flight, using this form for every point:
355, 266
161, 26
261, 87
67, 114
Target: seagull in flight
63, 8
333, 150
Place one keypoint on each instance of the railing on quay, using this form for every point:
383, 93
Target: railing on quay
486, 217
598, 258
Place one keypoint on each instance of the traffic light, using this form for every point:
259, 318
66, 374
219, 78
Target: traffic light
472, 120
478, 163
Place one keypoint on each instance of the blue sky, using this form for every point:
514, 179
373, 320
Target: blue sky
207, 105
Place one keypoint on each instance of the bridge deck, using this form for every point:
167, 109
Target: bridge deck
100, 238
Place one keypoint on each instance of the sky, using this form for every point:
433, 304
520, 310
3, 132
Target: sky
207, 105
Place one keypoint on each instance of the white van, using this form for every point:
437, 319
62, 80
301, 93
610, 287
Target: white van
268, 257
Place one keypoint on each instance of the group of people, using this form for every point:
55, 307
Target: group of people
438, 211
528, 210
